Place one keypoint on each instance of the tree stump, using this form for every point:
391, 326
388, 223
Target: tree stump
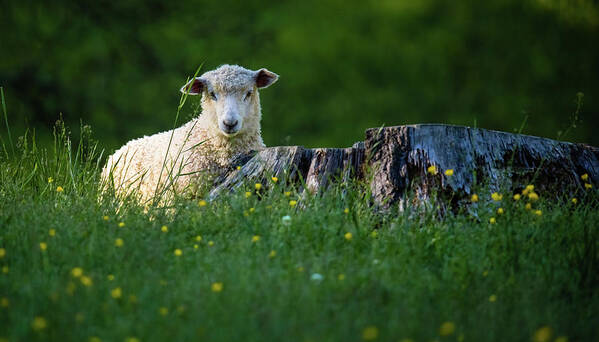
317, 168
394, 163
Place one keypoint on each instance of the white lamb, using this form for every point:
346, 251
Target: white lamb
176, 160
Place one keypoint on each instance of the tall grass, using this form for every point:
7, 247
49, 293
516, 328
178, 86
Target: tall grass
253, 266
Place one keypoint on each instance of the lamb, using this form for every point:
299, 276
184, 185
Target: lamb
176, 161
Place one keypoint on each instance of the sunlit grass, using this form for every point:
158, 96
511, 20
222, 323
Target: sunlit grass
268, 263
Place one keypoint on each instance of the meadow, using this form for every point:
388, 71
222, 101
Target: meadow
276, 265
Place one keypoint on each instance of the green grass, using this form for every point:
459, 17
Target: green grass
417, 272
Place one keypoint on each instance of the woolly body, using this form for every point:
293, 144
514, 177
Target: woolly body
202, 146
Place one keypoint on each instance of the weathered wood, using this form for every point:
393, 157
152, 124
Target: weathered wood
316, 167
499, 161
397, 159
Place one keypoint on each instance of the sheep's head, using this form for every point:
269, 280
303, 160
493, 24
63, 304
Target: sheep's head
230, 95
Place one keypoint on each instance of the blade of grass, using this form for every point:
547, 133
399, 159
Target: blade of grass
6, 121
182, 101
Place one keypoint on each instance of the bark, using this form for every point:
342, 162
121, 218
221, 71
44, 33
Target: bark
316, 168
393, 162
481, 160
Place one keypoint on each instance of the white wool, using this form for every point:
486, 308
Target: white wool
198, 148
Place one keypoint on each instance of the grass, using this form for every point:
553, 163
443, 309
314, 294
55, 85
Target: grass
400, 276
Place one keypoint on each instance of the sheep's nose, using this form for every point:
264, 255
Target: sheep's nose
230, 123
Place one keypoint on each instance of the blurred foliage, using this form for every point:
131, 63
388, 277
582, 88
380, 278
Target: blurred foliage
344, 65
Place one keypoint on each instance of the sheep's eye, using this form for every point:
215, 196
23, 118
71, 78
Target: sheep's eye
213, 95
247, 96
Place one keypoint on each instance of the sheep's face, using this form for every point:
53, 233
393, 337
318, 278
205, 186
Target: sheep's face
230, 96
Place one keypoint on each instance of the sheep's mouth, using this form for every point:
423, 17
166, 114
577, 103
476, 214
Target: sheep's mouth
229, 133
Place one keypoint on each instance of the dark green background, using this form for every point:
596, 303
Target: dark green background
344, 65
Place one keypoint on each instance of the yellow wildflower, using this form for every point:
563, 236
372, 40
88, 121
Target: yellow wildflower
77, 272
374, 233
574, 200
517, 197
4, 269
287, 193
210, 243
530, 187
584, 177
341, 276
543, 334
2, 253
293, 203
4, 302
86, 281
500, 211
43, 246
346, 210
202, 203
163, 311
238, 168
118, 242
446, 329
474, 198
105, 218
216, 287
198, 238
258, 186
121, 224
492, 298
39, 323
432, 170
116, 293
272, 254
196, 246
178, 252
370, 333
528, 206
538, 212
52, 232
252, 209
588, 186
50, 179
533, 196
274, 179
348, 236
164, 229
492, 220
449, 172
255, 238
59, 189
248, 194
110, 277
496, 197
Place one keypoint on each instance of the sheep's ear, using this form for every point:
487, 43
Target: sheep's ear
264, 78
194, 87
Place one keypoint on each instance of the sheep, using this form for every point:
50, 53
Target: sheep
177, 160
